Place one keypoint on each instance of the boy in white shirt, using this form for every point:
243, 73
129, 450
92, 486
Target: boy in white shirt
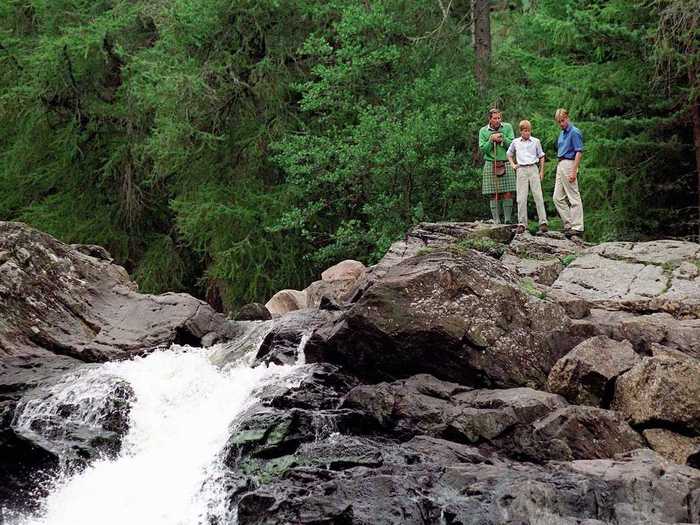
528, 154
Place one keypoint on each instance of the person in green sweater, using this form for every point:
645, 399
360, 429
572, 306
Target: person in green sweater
498, 177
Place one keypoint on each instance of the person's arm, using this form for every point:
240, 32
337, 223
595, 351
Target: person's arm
540, 155
574, 170
510, 153
577, 141
485, 144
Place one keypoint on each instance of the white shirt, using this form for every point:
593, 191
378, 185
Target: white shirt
526, 151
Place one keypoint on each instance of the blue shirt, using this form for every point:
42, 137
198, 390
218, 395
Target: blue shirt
570, 142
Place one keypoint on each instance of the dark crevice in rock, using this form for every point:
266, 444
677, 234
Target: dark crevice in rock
677, 428
185, 337
608, 393
59, 349
694, 460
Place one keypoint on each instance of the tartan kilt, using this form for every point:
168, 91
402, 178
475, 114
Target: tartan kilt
506, 183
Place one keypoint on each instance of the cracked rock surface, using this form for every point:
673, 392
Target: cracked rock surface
642, 277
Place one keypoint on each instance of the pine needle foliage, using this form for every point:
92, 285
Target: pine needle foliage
231, 148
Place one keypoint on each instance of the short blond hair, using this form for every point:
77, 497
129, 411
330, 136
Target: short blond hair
561, 114
525, 124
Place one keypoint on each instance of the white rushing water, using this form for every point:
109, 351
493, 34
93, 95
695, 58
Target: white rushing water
179, 423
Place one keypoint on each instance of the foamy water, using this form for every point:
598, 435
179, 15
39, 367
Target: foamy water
170, 459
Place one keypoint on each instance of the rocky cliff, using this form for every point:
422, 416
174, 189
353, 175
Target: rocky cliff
471, 376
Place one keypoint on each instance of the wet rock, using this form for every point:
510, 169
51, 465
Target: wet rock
286, 301
285, 342
24, 463
24, 467
253, 312
661, 391
338, 452
586, 375
461, 318
447, 485
323, 387
267, 433
672, 446
345, 479
58, 298
345, 498
79, 420
21, 373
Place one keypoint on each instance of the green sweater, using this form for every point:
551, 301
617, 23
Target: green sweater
486, 146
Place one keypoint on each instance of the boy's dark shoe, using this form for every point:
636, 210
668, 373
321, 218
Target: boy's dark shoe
519, 229
543, 228
574, 233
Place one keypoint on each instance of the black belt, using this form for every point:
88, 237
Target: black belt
527, 165
566, 158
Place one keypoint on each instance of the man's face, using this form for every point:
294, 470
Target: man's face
525, 133
563, 122
495, 120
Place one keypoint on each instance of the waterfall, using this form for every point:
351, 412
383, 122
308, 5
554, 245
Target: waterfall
180, 418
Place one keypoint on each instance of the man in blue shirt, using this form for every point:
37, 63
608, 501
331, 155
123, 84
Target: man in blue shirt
569, 152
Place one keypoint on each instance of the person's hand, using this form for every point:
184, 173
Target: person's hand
541, 175
514, 166
572, 176
496, 137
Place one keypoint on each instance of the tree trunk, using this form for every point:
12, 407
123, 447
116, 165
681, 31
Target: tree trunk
695, 111
481, 29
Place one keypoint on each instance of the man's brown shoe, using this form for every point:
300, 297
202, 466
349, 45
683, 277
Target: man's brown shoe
543, 228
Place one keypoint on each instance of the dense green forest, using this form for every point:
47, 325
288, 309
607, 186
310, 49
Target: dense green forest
231, 148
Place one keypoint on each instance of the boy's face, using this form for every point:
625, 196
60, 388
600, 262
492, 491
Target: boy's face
563, 122
525, 133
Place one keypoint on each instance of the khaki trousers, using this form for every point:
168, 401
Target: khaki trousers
530, 176
571, 213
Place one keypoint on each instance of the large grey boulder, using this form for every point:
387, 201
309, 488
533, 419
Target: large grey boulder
661, 390
58, 298
459, 317
586, 375
643, 487
430, 236
641, 277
